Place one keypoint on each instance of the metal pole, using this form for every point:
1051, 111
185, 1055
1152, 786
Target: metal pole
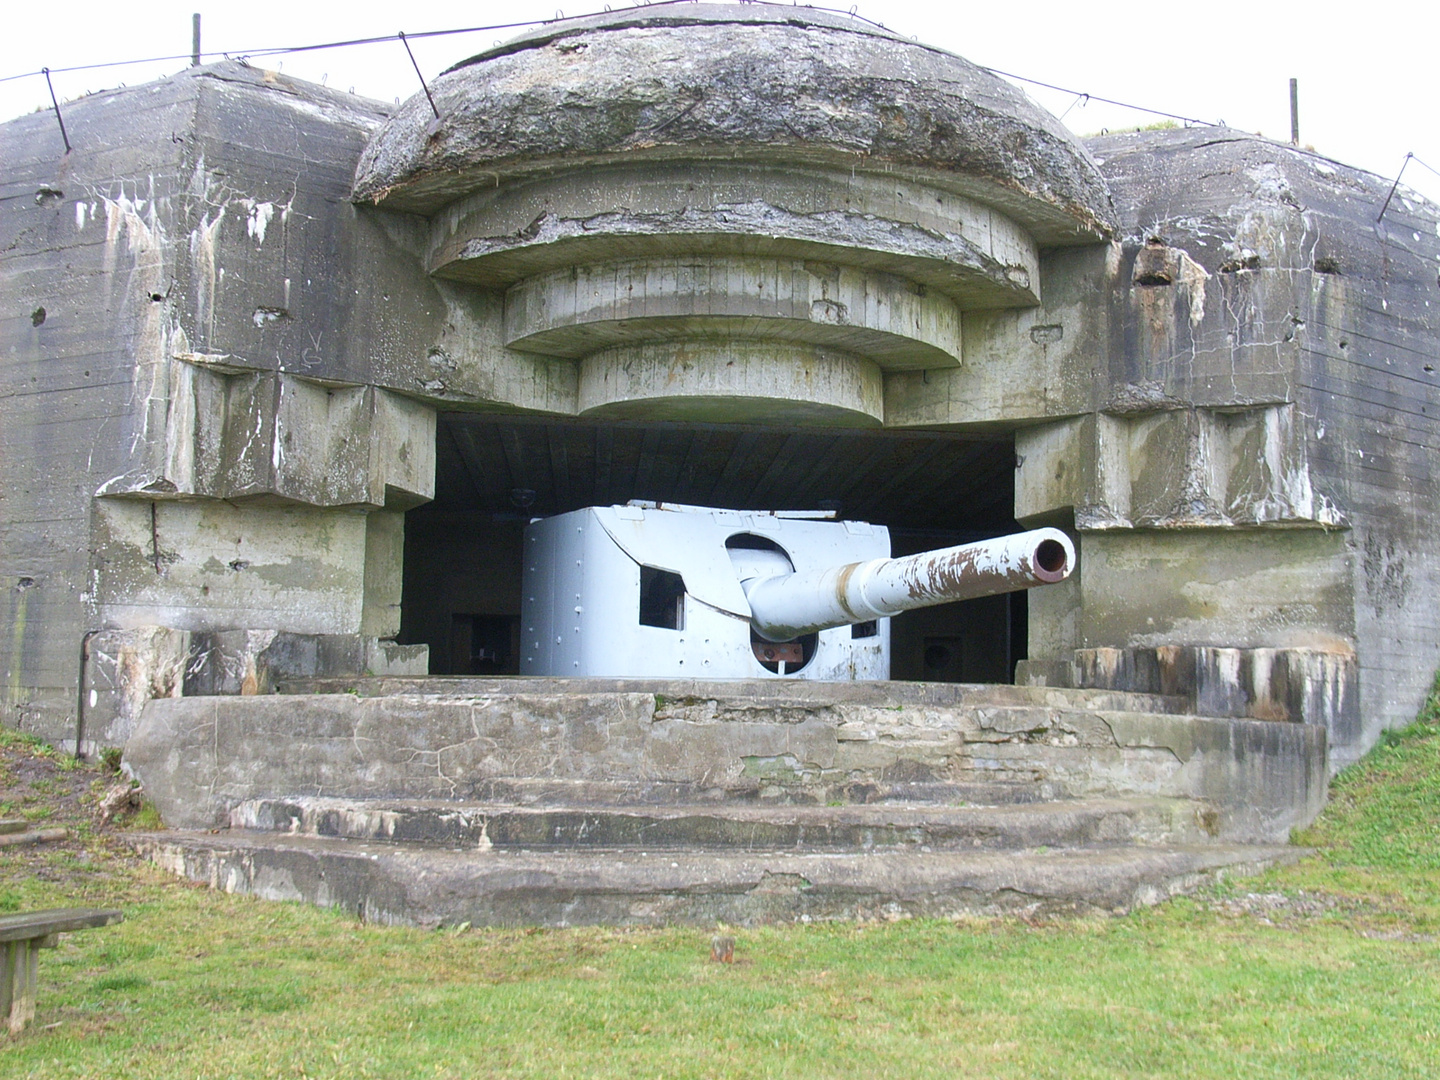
58, 118
1294, 112
1395, 186
81, 692
419, 76
195, 40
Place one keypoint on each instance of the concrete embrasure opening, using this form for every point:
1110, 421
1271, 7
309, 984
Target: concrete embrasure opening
931, 489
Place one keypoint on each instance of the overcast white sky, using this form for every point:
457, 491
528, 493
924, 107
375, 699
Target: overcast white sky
1366, 71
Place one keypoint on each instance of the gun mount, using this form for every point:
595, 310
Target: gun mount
652, 590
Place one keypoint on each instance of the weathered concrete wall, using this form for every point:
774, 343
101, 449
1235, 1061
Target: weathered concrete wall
1244, 588
1301, 270
209, 565
82, 292
1243, 424
124, 669
198, 335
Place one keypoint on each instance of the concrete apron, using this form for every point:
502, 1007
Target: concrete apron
565, 801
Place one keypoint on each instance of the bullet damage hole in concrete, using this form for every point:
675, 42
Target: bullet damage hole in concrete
238, 564
47, 194
1326, 264
1154, 264
24, 583
37, 316
1154, 278
1246, 262
265, 315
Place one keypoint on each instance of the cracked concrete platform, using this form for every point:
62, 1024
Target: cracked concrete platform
431, 887
819, 744
613, 801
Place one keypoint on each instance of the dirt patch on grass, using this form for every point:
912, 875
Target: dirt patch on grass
1279, 908
50, 790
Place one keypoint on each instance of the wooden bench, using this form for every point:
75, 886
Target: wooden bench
21, 939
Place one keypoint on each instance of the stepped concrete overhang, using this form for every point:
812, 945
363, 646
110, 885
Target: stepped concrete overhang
753, 83
655, 191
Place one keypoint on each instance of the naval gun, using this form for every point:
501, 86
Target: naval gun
657, 590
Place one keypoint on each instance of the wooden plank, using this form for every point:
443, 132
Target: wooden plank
18, 963
35, 924
559, 467
773, 489
604, 461
39, 836
643, 487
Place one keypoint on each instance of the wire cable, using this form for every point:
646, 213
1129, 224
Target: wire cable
1108, 101
280, 50
351, 42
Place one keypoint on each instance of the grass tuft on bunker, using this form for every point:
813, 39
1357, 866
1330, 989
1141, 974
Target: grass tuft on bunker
1328, 968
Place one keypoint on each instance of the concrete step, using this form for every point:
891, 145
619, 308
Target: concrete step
762, 694
987, 788
730, 827
427, 886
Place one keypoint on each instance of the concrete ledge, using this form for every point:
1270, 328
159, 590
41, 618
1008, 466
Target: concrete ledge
580, 310
962, 249
1311, 686
731, 380
800, 693
382, 883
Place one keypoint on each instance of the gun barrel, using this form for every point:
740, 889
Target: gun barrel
786, 606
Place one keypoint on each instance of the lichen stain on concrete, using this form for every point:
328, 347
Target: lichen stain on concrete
139, 222
208, 276
1192, 280
257, 219
1387, 576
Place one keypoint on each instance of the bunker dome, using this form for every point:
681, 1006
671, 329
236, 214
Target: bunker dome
282, 410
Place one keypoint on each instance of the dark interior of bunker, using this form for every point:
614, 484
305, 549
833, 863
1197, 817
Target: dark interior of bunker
461, 592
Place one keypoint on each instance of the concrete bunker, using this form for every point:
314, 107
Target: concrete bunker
742, 255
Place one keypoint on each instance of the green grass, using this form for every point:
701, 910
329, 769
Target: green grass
1380, 835
197, 984
24, 741
1326, 969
